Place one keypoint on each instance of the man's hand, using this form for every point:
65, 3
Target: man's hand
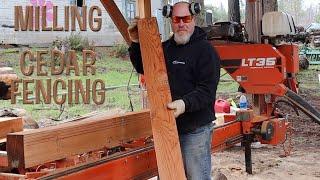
133, 30
178, 106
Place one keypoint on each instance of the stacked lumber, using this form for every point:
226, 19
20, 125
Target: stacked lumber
35, 147
7, 125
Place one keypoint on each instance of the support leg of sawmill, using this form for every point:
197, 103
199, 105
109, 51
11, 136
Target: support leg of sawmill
247, 148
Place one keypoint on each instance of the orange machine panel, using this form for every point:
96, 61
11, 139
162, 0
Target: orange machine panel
291, 52
258, 68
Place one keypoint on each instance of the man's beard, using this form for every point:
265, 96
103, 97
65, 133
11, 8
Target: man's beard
182, 39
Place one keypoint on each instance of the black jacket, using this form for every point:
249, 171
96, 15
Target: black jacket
194, 73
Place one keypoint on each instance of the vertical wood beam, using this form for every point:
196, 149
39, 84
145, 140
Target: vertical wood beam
117, 18
144, 8
164, 128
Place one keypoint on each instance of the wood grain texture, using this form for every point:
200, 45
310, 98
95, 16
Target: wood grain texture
9, 125
144, 8
117, 18
35, 147
164, 128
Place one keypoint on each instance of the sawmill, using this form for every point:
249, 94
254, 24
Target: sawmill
145, 144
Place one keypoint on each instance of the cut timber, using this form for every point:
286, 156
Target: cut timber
144, 8
10, 125
35, 147
164, 128
117, 18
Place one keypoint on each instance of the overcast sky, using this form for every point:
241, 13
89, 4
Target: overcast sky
217, 3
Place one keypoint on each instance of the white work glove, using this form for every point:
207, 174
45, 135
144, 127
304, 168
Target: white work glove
133, 30
178, 106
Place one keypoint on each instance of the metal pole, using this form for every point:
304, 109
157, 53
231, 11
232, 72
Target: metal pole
247, 148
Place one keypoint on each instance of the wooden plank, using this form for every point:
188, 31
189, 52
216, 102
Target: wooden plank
35, 147
164, 128
12, 176
9, 125
117, 18
144, 8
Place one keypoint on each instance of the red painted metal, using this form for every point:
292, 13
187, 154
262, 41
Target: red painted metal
140, 165
143, 165
280, 130
226, 135
258, 68
3, 161
291, 53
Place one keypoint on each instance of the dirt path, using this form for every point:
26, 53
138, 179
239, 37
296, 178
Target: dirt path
302, 163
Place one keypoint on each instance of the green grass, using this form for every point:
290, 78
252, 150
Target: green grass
309, 80
227, 84
113, 71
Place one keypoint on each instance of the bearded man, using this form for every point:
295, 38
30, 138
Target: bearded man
193, 68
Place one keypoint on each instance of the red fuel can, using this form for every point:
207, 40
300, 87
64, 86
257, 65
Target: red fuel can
222, 106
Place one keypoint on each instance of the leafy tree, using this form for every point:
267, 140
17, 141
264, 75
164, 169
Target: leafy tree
218, 13
294, 8
318, 14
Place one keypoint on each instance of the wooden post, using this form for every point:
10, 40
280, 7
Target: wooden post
117, 18
164, 128
144, 8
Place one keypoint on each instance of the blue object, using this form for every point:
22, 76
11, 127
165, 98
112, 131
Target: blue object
195, 149
243, 102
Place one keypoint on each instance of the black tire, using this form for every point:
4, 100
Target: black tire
303, 63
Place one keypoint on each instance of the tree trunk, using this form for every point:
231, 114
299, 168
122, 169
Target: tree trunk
270, 5
200, 18
254, 13
253, 20
234, 10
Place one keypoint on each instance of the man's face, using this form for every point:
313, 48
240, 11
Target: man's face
182, 23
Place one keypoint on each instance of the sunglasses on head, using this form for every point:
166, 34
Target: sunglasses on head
185, 19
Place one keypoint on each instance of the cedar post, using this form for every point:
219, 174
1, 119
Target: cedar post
164, 128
